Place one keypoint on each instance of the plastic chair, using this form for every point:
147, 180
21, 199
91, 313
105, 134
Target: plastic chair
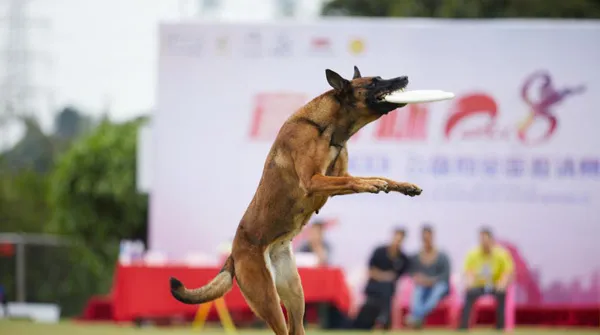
488, 301
401, 301
451, 302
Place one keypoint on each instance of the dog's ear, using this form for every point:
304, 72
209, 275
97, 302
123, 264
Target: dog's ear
336, 81
356, 73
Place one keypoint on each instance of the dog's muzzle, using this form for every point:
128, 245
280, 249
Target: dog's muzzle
389, 86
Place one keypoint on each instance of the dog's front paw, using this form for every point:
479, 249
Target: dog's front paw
372, 186
411, 190
407, 189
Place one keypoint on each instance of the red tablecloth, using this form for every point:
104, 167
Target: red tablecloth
143, 291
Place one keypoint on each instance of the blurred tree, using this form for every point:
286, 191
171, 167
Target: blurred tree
23, 202
35, 196
373, 8
70, 123
93, 190
94, 200
34, 151
465, 8
23, 198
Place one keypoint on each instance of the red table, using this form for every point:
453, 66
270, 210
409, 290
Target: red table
141, 291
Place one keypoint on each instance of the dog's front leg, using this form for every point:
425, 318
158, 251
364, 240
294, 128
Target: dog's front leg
341, 169
405, 188
329, 186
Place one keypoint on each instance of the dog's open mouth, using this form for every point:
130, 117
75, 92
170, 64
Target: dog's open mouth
381, 95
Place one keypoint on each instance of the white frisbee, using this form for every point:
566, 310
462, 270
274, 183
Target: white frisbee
417, 96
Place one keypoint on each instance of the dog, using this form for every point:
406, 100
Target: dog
307, 164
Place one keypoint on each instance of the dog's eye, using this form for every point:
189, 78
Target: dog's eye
374, 81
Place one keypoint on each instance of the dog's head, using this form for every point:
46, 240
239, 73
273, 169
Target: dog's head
365, 95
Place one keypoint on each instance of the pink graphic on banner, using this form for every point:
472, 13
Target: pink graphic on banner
270, 112
548, 96
524, 278
527, 281
406, 124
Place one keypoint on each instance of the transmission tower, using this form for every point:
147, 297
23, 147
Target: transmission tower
18, 96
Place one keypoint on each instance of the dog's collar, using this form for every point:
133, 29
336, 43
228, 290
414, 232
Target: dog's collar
313, 123
333, 144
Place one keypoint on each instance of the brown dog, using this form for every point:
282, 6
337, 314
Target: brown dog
307, 164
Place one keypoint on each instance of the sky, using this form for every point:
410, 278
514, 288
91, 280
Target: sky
101, 55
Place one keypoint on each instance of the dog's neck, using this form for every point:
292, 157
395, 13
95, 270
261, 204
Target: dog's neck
326, 113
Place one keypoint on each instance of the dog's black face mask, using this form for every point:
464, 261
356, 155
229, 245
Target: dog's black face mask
366, 93
377, 90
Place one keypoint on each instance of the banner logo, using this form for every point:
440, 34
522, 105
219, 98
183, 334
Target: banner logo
253, 45
356, 46
283, 46
321, 46
540, 106
191, 46
222, 45
478, 105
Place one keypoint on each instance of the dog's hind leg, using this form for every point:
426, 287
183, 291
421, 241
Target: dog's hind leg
257, 284
289, 286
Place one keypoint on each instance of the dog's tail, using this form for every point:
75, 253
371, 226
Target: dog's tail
216, 288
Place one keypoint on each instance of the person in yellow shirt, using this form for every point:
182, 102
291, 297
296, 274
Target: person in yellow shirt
489, 270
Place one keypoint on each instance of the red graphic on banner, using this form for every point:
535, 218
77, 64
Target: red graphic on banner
320, 45
270, 112
483, 105
409, 123
475, 104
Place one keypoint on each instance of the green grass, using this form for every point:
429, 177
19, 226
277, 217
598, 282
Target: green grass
70, 328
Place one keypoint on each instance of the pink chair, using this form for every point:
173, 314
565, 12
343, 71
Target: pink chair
488, 301
451, 303
402, 301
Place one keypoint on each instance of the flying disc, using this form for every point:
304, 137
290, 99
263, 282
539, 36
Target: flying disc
417, 96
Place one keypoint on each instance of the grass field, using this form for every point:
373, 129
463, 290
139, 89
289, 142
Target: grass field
68, 328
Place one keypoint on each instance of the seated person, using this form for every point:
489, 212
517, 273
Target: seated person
430, 270
489, 270
316, 243
386, 265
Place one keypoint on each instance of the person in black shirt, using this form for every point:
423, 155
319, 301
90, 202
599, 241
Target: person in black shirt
386, 265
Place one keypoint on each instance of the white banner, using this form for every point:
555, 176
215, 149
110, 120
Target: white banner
518, 149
